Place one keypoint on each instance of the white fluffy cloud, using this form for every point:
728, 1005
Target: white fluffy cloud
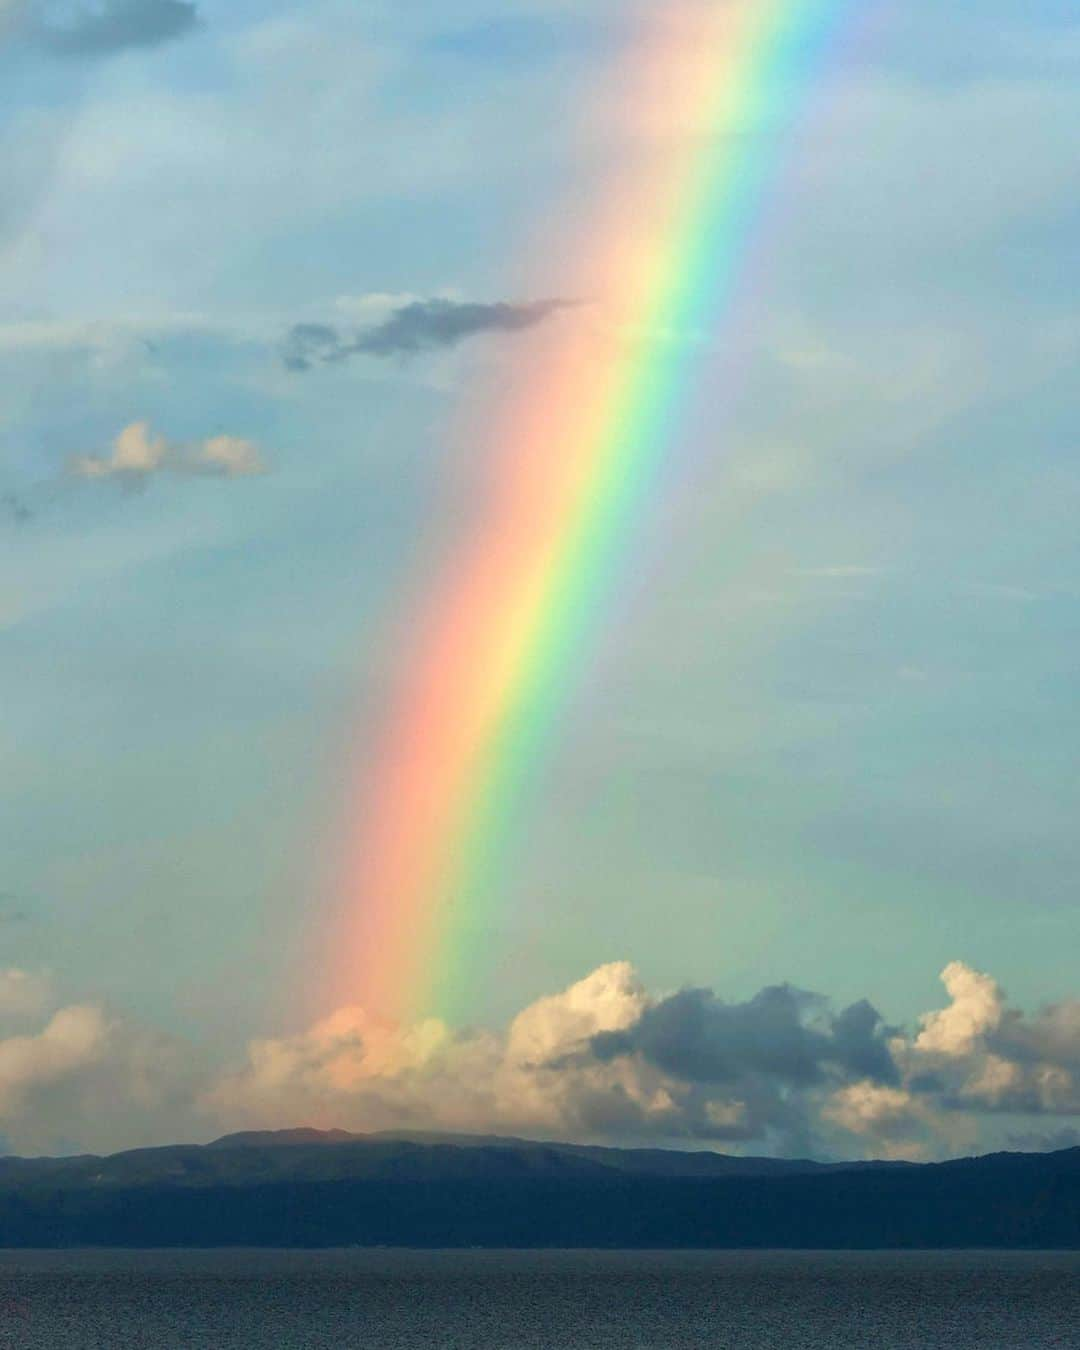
973, 1059
979, 1054
351, 1071
85, 1078
977, 1007
72, 1040
137, 453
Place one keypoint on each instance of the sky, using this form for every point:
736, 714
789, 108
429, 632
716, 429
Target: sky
799, 870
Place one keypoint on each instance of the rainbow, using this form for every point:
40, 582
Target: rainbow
573, 461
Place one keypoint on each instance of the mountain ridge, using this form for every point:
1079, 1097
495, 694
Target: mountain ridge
310, 1188
305, 1153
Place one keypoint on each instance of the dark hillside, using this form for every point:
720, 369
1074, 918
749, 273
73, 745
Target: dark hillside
306, 1190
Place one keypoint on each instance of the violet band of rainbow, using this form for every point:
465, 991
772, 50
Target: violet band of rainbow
575, 460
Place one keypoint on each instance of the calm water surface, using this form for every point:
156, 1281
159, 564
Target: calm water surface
239, 1300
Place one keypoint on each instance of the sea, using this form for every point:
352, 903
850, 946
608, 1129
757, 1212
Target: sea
549, 1300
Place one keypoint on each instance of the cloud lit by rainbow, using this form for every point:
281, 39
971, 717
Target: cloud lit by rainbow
573, 456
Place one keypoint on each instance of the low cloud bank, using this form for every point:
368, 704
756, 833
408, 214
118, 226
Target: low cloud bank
78, 1077
603, 1060
412, 328
606, 1060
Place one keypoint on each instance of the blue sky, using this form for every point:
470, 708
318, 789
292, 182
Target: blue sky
826, 733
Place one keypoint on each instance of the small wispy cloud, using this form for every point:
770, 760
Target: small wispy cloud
412, 328
137, 454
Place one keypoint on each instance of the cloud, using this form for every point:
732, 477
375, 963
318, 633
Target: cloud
136, 455
87, 30
610, 1000
892, 1118
783, 1033
980, 1055
977, 1007
352, 1069
224, 457
73, 1039
418, 326
603, 1060
754, 1070
607, 1060
86, 1079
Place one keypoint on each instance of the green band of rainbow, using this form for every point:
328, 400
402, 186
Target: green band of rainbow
576, 459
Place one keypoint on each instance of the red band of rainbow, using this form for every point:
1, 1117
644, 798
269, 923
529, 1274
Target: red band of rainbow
574, 461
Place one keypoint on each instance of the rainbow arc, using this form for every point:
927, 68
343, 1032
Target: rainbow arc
573, 461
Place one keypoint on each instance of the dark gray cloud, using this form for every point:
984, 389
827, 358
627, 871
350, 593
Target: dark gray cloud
789, 1067
1052, 1036
926, 1084
782, 1033
314, 344
89, 30
421, 325
860, 1043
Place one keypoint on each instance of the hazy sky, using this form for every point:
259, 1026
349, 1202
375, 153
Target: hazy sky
254, 256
